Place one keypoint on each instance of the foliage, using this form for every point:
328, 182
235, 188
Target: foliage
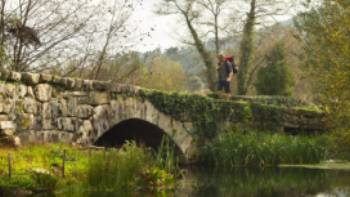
275, 78
324, 31
44, 180
163, 74
155, 179
166, 158
234, 149
205, 113
124, 171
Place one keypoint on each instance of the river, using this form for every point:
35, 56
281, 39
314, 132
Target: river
270, 182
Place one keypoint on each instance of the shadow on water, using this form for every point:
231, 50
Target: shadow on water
285, 182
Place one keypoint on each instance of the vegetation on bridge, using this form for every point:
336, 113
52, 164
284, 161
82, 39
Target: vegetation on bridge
210, 115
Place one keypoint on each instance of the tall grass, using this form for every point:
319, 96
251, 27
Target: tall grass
114, 171
131, 169
166, 158
255, 149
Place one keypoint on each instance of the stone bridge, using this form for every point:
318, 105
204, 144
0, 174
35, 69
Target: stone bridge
38, 108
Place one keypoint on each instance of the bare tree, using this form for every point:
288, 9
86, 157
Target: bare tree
120, 13
68, 30
189, 10
215, 8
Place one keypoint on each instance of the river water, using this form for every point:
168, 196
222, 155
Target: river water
279, 182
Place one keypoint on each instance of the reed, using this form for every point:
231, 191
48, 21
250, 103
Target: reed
254, 149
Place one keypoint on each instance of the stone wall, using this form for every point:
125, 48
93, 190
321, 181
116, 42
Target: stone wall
44, 108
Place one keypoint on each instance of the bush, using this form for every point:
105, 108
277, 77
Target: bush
43, 180
275, 78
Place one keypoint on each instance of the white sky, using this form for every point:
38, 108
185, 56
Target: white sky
163, 35
167, 29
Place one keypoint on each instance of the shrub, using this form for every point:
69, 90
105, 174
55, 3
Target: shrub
276, 71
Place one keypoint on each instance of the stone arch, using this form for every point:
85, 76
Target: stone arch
140, 131
120, 110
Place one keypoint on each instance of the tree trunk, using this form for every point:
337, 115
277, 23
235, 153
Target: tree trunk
246, 49
208, 62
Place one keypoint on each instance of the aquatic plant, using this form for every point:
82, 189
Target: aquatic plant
114, 171
256, 149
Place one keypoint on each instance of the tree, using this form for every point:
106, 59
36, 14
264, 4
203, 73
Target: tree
215, 8
275, 78
190, 11
260, 12
120, 13
164, 74
246, 49
324, 31
68, 30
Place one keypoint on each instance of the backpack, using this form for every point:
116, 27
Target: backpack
232, 61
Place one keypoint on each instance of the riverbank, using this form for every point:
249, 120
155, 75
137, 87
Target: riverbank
53, 167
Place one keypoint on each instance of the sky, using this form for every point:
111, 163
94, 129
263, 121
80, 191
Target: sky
163, 35
166, 29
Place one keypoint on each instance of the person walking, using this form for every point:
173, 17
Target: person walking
225, 74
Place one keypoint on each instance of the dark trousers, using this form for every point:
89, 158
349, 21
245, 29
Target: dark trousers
224, 86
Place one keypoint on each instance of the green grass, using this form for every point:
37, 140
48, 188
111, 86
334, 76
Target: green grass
110, 172
115, 171
253, 149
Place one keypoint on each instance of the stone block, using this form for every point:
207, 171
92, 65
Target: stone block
57, 80
45, 136
6, 132
7, 125
21, 91
10, 90
84, 132
101, 85
30, 106
27, 122
47, 124
30, 92
84, 111
43, 92
95, 98
4, 73
72, 104
4, 117
87, 85
5, 107
46, 78
78, 84
68, 124
14, 76
30, 78
69, 83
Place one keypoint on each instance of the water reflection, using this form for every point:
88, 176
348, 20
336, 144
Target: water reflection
267, 183
248, 183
